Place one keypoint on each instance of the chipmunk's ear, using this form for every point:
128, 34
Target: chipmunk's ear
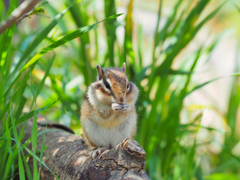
124, 67
100, 72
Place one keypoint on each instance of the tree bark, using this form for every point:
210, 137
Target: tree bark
18, 14
68, 156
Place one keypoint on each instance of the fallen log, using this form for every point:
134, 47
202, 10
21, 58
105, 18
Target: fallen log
68, 156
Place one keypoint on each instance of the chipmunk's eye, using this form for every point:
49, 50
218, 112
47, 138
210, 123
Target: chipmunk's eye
107, 85
128, 86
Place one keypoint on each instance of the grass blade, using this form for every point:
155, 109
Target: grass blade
34, 145
20, 163
109, 10
64, 40
38, 39
31, 114
205, 83
128, 51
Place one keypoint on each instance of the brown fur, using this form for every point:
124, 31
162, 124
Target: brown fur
89, 143
97, 103
133, 133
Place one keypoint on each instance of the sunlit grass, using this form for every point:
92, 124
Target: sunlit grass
48, 72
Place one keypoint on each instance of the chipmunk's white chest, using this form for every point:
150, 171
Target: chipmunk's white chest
109, 137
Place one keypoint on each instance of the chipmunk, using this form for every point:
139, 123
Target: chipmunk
108, 113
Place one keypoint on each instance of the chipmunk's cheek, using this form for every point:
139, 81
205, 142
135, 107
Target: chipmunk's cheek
112, 99
105, 99
100, 95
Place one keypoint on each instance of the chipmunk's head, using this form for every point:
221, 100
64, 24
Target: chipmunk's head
112, 86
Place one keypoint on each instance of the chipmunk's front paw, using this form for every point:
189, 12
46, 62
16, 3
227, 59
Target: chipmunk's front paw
97, 152
125, 107
120, 107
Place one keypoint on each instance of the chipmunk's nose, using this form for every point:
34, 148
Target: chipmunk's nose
121, 99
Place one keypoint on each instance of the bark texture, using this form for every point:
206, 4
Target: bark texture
68, 156
18, 14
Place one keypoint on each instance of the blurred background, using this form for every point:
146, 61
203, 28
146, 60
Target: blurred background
184, 56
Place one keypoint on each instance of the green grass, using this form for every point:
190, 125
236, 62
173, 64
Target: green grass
49, 68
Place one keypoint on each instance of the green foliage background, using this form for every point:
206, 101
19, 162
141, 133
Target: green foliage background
46, 69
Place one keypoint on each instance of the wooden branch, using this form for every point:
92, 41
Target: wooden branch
18, 14
68, 156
